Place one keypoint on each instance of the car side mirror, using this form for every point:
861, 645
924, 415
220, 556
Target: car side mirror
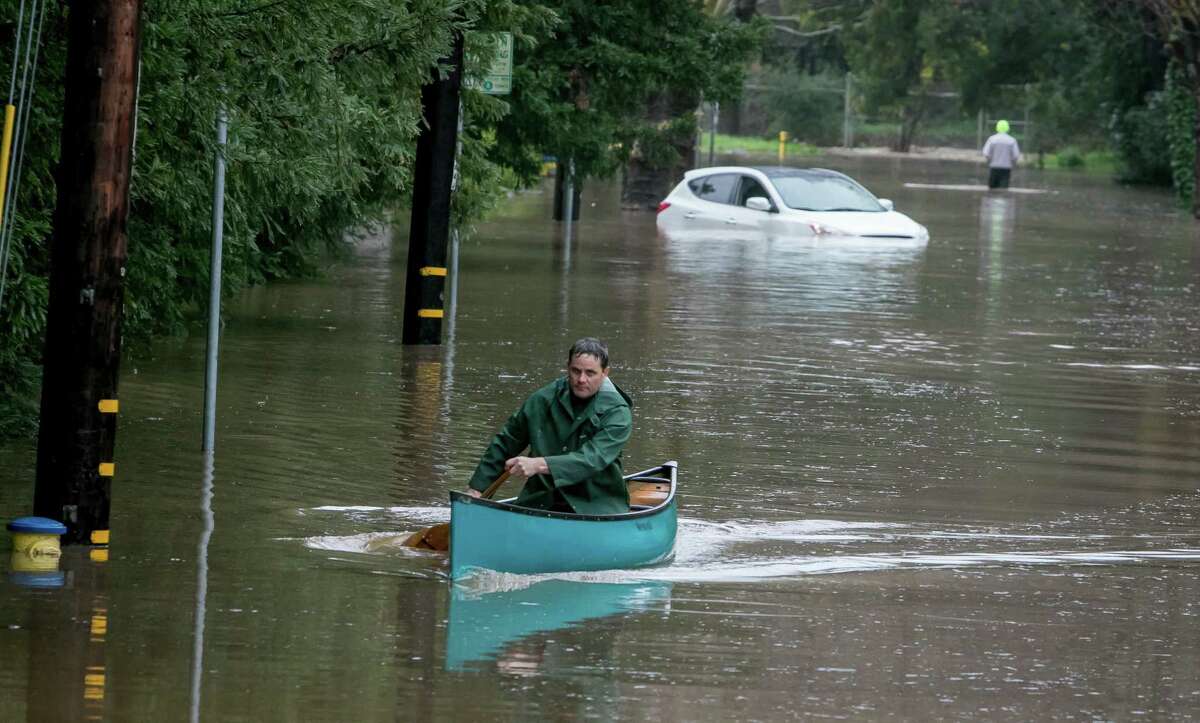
758, 203
887, 204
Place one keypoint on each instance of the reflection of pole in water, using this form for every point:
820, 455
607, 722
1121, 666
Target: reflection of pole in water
997, 220
996, 225
448, 352
568, 227
206, 495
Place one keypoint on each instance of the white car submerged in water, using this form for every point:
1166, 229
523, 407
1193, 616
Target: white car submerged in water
783, 203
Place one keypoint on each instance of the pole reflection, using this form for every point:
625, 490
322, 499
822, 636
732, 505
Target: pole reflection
206, 513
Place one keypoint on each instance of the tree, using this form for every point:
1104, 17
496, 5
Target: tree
1177, 24
324, 102
902, 51
581, 93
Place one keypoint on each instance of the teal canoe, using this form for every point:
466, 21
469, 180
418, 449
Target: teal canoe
500, 536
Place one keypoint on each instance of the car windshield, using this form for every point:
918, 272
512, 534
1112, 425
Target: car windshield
825, 193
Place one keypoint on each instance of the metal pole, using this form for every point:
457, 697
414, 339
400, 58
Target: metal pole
214, 285
712, 135
569, 198
846, 140
1025, 131
452, 309
979, 130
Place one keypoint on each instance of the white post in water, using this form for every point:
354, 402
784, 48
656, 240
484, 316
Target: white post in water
569, 198
847, 140
214, 286
712, 135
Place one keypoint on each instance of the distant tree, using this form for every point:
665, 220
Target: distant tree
617, 83
1177, 24
902, 51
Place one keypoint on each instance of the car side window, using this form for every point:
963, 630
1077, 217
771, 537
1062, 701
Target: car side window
717, 188
750, 188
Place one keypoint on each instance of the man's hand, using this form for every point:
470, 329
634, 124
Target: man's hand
474, 492
525, 467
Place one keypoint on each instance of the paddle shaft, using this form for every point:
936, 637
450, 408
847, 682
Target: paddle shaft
491, 490
438, 536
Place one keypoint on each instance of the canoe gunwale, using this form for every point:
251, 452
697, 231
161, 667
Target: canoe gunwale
505, 505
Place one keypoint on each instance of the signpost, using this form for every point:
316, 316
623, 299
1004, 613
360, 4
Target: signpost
498, 79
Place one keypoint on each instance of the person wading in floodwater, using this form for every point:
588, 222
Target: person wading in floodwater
1002, 153
575, 428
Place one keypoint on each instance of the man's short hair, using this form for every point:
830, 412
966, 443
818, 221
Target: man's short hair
592, 347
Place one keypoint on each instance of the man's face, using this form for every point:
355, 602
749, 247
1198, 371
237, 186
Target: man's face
585, 375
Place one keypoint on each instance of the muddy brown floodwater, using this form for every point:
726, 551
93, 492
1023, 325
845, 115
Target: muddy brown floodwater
952, 482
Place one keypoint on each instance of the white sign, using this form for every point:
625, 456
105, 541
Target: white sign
498, 80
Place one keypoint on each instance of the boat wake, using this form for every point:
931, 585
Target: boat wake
742, 550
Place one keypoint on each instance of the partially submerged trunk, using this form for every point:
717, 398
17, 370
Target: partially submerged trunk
647, 181
910, 117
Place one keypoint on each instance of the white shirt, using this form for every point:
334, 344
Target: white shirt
1001, 151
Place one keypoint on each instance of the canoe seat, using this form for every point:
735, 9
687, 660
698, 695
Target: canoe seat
648, 494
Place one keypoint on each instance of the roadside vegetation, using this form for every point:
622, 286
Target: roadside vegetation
1107, 86
324, 105
323, 99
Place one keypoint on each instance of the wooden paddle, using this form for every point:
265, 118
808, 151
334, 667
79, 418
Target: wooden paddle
437, 538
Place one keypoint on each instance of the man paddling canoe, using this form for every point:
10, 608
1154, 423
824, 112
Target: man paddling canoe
575, 428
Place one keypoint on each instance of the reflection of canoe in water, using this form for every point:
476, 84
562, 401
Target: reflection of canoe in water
482, 625
500, 536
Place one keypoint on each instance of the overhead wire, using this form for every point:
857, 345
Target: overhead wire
24, 98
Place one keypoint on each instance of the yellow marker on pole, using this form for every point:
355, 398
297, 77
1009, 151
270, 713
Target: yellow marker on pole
783, 136
5, 151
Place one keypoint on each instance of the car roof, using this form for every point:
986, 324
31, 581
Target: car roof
768, 171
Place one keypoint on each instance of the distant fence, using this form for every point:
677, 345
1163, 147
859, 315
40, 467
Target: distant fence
828, 111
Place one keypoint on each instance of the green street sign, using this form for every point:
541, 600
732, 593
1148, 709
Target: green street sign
498, 79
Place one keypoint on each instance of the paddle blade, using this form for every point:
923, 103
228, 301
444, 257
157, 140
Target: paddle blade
436, 538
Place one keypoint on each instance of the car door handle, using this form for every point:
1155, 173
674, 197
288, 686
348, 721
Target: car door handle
690, 214
731, 221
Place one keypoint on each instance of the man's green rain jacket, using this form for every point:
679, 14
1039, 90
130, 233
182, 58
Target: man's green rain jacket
582, 449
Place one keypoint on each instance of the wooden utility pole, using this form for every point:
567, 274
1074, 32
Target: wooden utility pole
433, 177
75, 465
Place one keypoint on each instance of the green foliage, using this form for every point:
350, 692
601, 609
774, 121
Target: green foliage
1138, 133
1070, 158
606, 66
1102, 65
323, 99
323, 102
804, 106
1181, 132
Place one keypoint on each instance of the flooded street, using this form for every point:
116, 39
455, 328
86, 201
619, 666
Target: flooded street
946, 482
